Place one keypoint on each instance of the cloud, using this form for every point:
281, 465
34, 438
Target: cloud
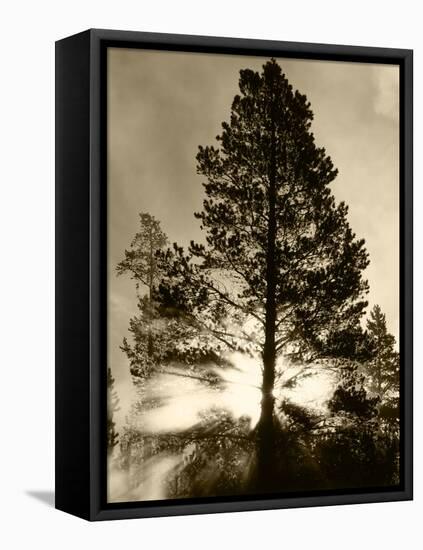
386, 102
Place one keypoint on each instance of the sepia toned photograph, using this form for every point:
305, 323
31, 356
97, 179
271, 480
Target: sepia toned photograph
253, 276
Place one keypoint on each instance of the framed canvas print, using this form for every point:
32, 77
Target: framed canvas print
234, 274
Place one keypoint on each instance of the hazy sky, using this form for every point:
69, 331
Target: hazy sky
162, 105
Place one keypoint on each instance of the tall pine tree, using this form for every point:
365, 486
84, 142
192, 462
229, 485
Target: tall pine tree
158, 337
383, 368
141, 263
281, 270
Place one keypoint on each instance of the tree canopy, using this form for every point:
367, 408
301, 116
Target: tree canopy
279, 251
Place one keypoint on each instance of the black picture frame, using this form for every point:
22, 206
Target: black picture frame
81, 237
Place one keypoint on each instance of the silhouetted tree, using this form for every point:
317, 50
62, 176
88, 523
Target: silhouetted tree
141, 263
383, 368
158, 337
353, 449
140, 260
281, 270
112, 407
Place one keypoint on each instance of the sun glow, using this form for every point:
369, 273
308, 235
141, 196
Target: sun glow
178, 400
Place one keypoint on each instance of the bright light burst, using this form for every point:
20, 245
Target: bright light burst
181, 397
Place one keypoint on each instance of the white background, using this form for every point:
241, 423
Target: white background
28, 31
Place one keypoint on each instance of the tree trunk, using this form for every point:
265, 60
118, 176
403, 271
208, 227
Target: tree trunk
266, 424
